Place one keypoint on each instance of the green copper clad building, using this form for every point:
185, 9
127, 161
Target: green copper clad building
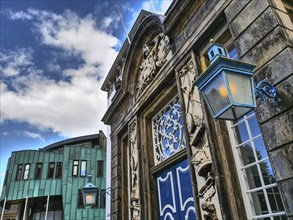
46, 183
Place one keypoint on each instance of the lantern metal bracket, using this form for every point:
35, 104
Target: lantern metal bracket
266, 90
108, 191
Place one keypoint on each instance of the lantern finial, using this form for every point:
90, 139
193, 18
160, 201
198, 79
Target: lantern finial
215, 50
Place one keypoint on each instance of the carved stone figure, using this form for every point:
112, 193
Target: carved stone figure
134, 184
155, 55
194, 115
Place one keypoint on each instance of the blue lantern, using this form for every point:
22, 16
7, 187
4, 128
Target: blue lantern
89, 193
227, 85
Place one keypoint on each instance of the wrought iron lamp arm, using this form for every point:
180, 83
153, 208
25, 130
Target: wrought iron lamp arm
264, 88
108, 191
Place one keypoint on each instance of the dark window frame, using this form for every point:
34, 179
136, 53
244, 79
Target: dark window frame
19, 172
58, 173
38, 171
51, 171
77, 167
100, 168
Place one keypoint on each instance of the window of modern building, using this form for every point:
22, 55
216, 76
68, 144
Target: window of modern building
260, 192
26, 171
38, 208
38, 171
18, 172
51, 169
100, 168
58, 173
83, 168
75, 166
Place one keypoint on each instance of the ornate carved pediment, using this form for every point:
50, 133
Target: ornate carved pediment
155, 55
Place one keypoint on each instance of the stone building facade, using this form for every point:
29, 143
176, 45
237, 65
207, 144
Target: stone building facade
169, 158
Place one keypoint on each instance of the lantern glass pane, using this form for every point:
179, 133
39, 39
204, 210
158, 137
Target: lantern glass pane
217, 95
241, 88
90, 198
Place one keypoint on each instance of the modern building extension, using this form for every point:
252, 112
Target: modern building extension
170, 158
46, 183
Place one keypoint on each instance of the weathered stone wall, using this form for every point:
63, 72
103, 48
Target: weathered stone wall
262, 32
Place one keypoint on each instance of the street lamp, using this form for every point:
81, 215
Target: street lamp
227, 85
89, 193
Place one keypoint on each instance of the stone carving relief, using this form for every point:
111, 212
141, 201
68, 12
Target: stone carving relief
155, 55
201, 157
134, 173
194, 115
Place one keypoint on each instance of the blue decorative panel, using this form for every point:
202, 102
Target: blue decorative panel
175, 197
168, 131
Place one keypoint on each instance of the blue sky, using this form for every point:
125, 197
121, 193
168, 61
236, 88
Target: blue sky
54, 56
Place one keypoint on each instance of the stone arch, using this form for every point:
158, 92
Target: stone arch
149, 28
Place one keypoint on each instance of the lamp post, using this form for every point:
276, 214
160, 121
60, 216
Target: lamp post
227, 85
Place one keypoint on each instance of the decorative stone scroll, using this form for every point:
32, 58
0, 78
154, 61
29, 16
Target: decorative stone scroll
201, 157
134, 173
155, 55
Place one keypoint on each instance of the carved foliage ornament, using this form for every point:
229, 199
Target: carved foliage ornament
134, 173
155, 55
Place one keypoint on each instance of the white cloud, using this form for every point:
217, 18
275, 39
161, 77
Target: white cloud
34, 136
73, 107
16, 61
